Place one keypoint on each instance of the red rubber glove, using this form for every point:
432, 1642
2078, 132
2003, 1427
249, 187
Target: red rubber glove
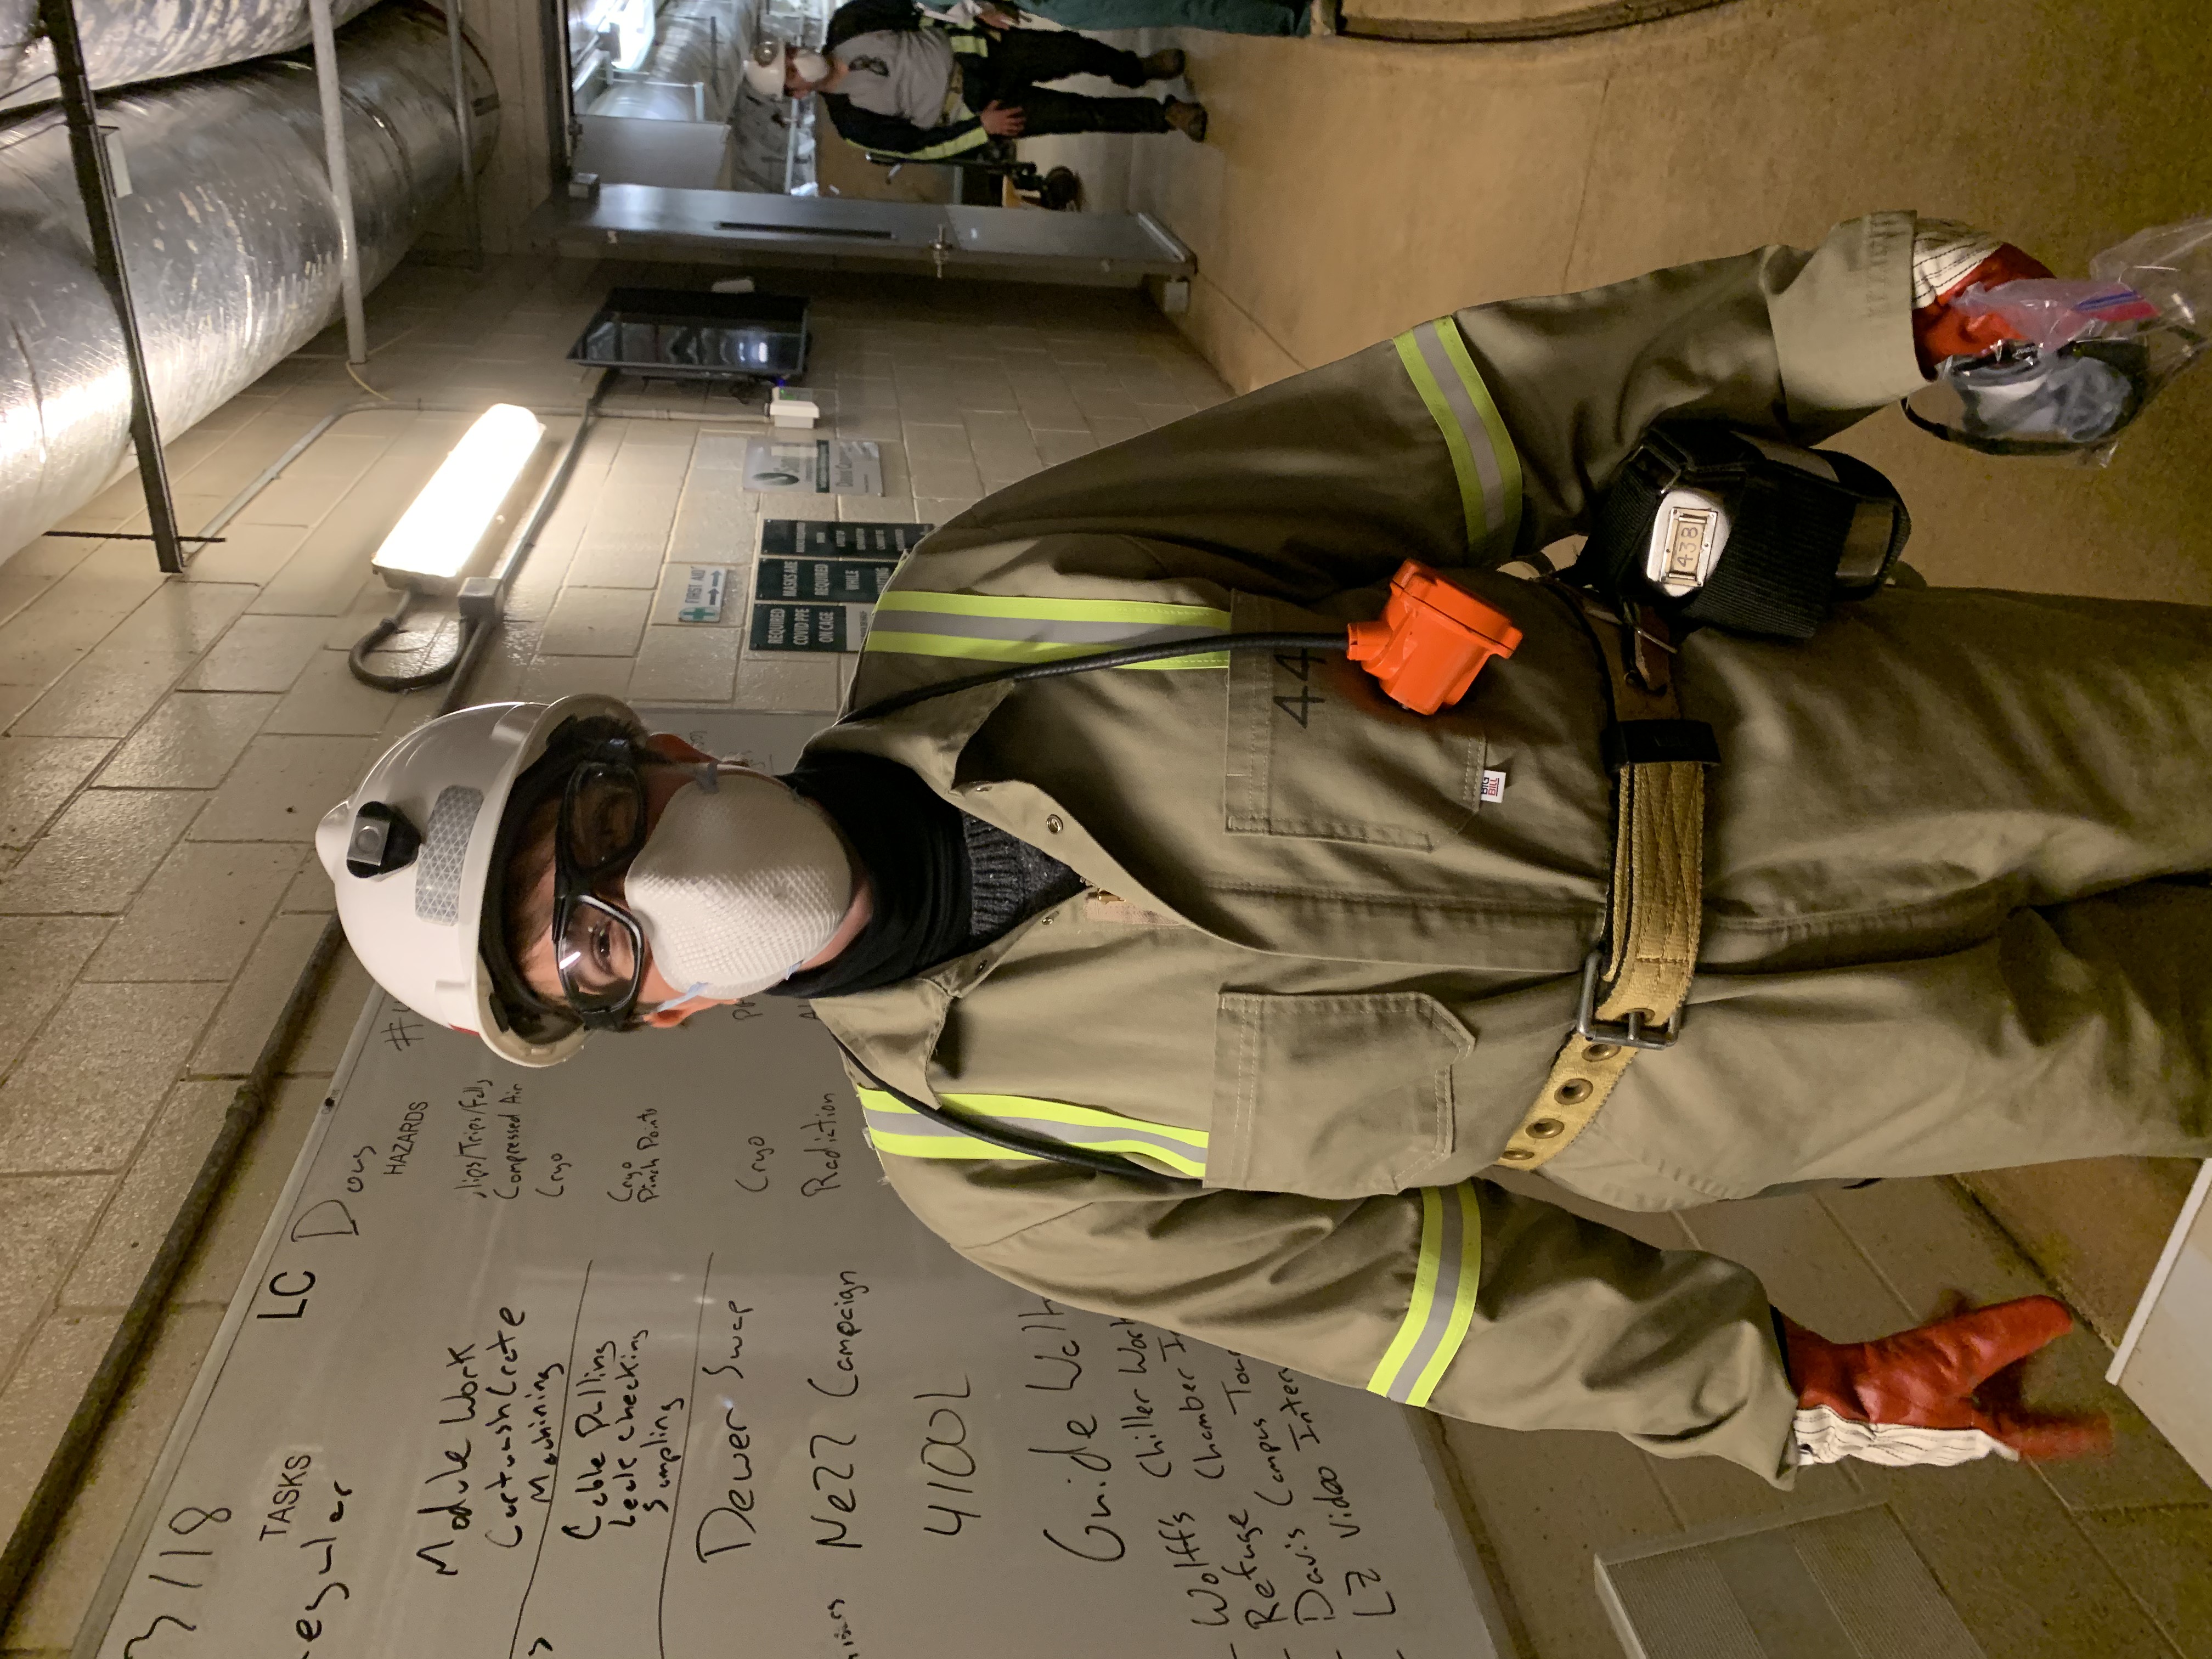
1941, 1393
1938, 332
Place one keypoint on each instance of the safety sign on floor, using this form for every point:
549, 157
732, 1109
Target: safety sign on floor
638, 1358
816, 582
825, 466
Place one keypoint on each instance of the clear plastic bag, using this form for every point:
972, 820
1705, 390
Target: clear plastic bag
2052, 312
2093, 353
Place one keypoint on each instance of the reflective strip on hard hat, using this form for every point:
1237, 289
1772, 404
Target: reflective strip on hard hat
996, 629
894, 1126
1483, 459
1442, 1306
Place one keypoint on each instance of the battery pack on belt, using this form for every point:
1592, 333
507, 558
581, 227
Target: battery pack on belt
1716, 527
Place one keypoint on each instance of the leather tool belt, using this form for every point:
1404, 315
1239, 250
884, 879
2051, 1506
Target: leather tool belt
1635, 982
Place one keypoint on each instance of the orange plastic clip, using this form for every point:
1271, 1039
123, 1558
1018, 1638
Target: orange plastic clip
1433, 640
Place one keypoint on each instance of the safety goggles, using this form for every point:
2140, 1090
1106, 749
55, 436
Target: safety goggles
598, 948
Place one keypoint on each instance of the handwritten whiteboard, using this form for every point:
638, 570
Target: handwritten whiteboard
639, 1358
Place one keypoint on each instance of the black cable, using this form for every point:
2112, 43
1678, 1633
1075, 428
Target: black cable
47, 75
356, 659
1054, 1152
1127, 658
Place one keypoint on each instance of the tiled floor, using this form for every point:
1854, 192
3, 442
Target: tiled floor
170, 744
2106, 1556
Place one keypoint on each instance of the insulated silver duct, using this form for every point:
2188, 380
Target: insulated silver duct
126, 41
230, 237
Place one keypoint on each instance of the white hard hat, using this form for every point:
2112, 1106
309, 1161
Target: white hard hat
764, 69
411, 853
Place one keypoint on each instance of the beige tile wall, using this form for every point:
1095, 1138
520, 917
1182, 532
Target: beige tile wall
169, 744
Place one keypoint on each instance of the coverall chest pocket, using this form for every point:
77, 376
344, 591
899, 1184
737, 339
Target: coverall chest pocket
1315, 751
1333, 1096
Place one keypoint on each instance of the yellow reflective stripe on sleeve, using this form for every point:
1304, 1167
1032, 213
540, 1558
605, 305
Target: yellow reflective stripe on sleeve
1493, 425
1056, 1111
894, 1126
950, 645
1445, 1280
990, 628
973, 44
967, 141
1483, 463
1101, 610
938, 645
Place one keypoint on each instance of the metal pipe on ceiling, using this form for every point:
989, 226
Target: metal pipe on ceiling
231, 238
331, 98
465, 119
127, 41
96, 187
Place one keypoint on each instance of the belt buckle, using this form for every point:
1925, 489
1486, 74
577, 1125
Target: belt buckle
1629, 1033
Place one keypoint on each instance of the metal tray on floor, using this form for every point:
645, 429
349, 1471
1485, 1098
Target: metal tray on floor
684, 332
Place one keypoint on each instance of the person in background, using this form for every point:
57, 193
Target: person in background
901, 81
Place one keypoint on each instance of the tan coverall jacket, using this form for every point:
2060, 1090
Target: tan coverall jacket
1940, 926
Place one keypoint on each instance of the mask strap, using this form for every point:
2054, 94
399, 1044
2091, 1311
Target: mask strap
708, 774
678, 1001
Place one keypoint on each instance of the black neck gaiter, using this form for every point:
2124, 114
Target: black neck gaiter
912, 846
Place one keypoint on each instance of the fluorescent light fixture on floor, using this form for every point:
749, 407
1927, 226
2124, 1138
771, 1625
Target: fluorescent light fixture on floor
439, 533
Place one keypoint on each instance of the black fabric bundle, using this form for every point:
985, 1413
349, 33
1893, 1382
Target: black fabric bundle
944, 883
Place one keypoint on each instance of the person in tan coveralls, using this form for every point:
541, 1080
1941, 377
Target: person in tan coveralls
1326, 949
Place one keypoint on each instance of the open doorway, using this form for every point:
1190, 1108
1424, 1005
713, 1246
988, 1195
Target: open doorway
659, 95
665, 151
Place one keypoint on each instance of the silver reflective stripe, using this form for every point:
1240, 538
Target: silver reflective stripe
892, 1125
897, 1128
1442, 1307
1052, 629
1114, 1137
1461, 402
994, 628
445, 847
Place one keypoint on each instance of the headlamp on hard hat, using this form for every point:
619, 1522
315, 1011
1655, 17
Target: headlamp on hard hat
382, 840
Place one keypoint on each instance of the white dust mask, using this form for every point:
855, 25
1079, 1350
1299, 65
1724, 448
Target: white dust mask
740, 881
